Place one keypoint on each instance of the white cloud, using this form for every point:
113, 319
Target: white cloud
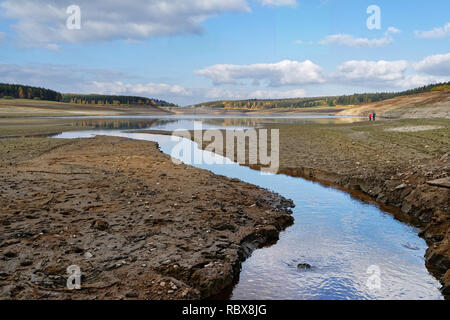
148, 89
418, 80
228, 94
436, 33
352, 41
43, 23
393, 74
285, 72
438, 64
358, 70
278, 2
392, 30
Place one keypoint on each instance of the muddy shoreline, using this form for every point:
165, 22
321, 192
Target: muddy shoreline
137, 225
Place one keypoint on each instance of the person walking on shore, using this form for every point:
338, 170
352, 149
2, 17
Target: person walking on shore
374, 116
370, 117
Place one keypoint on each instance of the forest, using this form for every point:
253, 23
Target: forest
330, 101
17, 91
113, 100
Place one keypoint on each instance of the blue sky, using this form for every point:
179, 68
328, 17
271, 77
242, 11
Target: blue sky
189, 51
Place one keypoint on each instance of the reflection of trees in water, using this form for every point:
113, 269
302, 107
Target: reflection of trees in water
234, 122
121, 123
254, 122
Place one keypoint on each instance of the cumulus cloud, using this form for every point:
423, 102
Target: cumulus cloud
438, 64
43, 23
228, 94
397, 74
149, 89
392, 30
436, 33
285, 72
358, 70
418, 80
352, 41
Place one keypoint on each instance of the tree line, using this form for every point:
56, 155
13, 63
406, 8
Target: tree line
17, 91
113, 100
331, 101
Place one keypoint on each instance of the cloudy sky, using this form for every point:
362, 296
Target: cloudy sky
190, 51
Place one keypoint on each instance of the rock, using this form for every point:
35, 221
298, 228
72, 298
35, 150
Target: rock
443, 183
101, 225
10, 254
400, 187
162, 284
78, 250
88, 255
304, 266
131, 295
26, 263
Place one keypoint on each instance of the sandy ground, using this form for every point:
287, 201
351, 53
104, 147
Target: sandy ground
396, 168
137, 225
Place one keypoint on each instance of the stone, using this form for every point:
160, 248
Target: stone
442, 183
131, 295
101, 225
400, 186
26, 263
304, 266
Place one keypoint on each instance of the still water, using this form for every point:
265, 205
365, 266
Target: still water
356, 250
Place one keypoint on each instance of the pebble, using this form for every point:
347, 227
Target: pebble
26, 263
131, 295
304, 266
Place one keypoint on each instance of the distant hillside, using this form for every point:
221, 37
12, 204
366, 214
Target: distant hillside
17, 91
433, 104
330, 101
95, 99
